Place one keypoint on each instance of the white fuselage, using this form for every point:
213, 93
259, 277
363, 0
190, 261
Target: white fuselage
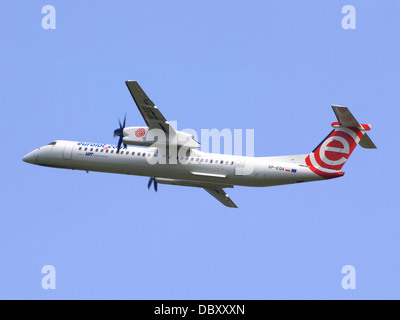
199, 166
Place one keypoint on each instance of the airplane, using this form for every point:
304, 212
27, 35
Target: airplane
171, 157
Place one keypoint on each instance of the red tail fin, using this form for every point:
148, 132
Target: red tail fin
331, 154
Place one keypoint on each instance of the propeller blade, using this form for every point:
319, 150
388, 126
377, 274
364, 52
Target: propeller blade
150, 183
119, 144
120, 133
124, 121
152, 179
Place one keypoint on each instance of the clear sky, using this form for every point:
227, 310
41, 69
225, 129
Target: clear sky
272, 66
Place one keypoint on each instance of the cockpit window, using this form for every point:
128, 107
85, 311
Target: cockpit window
52, 143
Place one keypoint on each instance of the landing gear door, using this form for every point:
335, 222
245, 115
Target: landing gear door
69, 146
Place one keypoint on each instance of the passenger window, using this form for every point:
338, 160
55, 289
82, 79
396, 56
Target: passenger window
91, 149
133, 153
102, 150
97, 150
122, 152
138, 154
85, 149
106, 151
127, 153
112, 151
232, 163
201, 160
144, 154
80, 148
222, 162
197, 159
206, 160
211, 161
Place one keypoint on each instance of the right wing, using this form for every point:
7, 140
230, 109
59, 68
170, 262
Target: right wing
150, 113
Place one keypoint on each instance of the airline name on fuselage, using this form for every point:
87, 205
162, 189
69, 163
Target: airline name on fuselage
98, 145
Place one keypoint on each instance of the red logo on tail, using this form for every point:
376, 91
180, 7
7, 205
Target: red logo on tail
333, 153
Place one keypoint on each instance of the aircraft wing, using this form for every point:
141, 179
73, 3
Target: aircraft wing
215, 189
150, 113
221, 196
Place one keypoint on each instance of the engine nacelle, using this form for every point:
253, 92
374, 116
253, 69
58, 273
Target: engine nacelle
143, 136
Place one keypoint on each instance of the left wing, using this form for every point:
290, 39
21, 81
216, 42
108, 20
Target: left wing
221, 196
150, 113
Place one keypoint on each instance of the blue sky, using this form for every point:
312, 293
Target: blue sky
272, 66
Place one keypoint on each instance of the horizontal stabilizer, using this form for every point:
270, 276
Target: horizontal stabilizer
345, 117
366, 142
347, 120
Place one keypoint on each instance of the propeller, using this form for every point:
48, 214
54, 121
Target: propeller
153, 179
120, 133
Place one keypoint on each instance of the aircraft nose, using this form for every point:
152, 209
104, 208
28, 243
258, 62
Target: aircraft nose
30, 158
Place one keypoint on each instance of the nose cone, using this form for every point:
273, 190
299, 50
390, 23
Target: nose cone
30, 158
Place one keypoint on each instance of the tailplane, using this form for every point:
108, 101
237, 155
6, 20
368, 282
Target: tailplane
329, 157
